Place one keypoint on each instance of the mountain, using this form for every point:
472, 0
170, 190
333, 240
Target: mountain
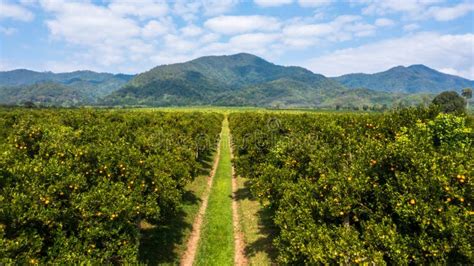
232, 80
412, 79
240, 79
47, 93
81, 86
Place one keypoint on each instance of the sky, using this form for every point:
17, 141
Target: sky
326, 36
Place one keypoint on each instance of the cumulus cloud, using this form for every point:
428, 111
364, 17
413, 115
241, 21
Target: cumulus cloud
83, 23
141, 8
102, 37
439, 51
376, 7
342, 28
255, 43
15, 12
450, 13
155, 28
217, 7
417, 9
411, 27
192, 30
272, 3
384, 22
191, 10
314, 3
242, 24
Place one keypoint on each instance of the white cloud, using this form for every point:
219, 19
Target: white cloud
217, 7
272, 3
100, 36
187, 10
192, 30
253, 40
191, 10
384, 22
308, 30
432, 49
209, 38
255, 43
412, 7
82, 23
411, 27
141, 8
314, 3
342, 28
241, 24
179, 44
450, 13
155, 28
15, 12
417, 9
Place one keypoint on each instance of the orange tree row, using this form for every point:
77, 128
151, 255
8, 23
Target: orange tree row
74, 184
350, 188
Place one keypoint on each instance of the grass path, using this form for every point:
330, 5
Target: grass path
189, 255
216, 246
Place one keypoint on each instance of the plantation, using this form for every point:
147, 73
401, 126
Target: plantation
81, 185
75, 185
350, 188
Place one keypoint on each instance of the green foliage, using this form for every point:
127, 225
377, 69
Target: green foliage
467, 93
450, 102
347, 188
75, 184
47, 94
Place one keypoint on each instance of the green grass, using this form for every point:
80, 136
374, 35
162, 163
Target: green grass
255, 222
165, 245
216, 246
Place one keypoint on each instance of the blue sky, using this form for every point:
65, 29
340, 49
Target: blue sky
327, 37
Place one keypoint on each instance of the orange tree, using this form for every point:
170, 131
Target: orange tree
74, 184
350, 188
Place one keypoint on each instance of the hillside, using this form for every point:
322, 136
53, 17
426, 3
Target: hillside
412, 79
47, 94
232, 80
21, 84
240, 79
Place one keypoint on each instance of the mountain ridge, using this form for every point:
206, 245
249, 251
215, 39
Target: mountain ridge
417, 78
80, 87
238, 79
214, 78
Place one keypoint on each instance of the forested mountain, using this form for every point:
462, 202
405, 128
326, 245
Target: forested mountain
240, 79
412, 79
232, 80
79, 87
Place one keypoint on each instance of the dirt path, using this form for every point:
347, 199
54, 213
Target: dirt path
190, 253
239, 243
